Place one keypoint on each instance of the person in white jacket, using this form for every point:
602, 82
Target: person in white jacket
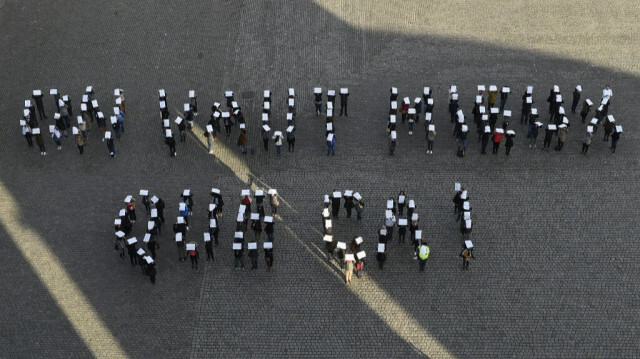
277, 137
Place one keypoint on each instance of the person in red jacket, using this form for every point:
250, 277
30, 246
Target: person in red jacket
404, 109
497, 138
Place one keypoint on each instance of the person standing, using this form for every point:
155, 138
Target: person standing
381, 256
208, 246
151, 269
534, 134
256, 226
132, 250
317, 101
348, 202
348, 272
344, 96
431, 136
423, 254
268, 228
26, 132
268, 255
485, 139
110, 145
57, 137
359, 205
277, 138
497, 138
509, 141
78, 139
331, 144
576, 98
402, 200
392, 142
193, 254
131, 210
242, 141
453, 106
493, 93
615, 137
265, 136
253, 255
39, 141
335, 203
608, 128
141, 261
330, 246
182, 248
467, 254
37, 96
274, 201
64, 113
504, 94
238, 256
548, 135
587, 141
562, 136
586, 107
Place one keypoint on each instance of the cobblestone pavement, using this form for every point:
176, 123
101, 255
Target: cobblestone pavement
555, 269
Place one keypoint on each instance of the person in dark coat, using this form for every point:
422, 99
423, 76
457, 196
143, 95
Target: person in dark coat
381, 256
348, 204
344, 96
253, 257
268, 257
141, 261
151, 270
485, 139
586, 107
576, 98
37, 96
335, 205
508, 142
110, 145
291, 138
615, 137
208, 246
330, 245
317, 100
453, 107
132, 250
548, 135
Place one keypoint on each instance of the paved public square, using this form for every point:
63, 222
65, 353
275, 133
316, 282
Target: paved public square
556, 268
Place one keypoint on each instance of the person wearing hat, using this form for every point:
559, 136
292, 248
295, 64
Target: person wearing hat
39, 141
562, 137
110, 145
423, 254
496, 139
467, 255
26, 132
586, 142
615, 137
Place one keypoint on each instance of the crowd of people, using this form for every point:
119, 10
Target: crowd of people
35, 116
488, 109
127, 244
352, 258
462, 212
